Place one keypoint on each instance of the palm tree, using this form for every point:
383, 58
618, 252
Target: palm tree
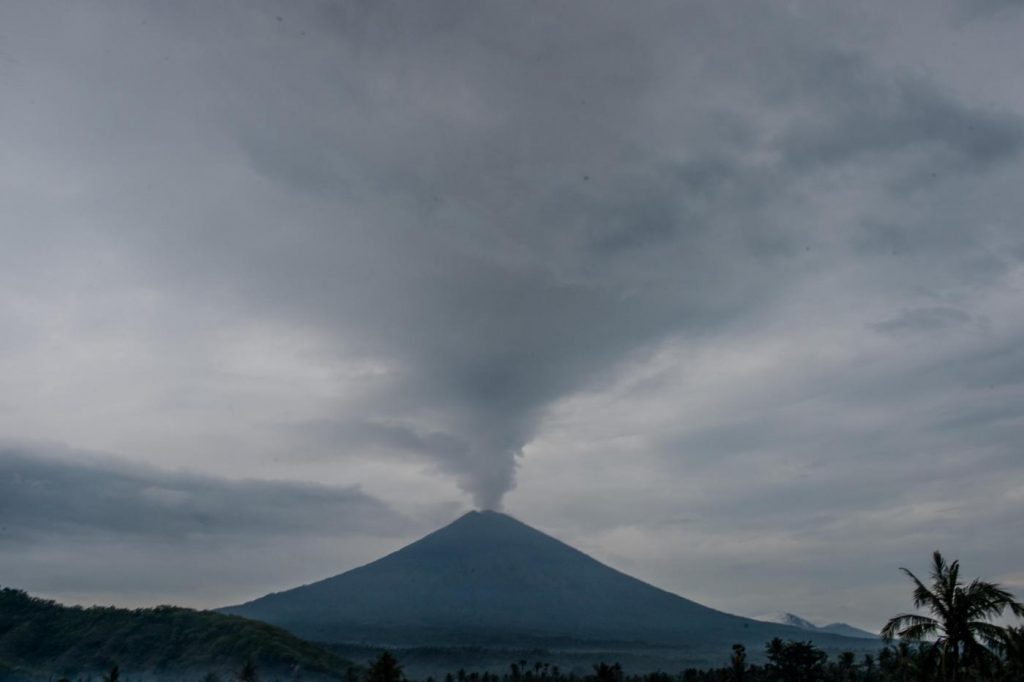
961, 628
1013, 653
739, 663
900, 662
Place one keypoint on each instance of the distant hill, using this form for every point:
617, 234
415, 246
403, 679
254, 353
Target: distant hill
40, 638
489, 580
841, 629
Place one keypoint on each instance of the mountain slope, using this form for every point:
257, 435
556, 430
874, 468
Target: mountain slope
45, 638
487, 578
845, 630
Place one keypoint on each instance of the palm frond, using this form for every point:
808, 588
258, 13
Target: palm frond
987, 600
923, 597
992, 636
938, 565
911, 626
953, 575
1011, 643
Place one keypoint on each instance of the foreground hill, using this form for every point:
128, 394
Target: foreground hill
489, 580
40, 638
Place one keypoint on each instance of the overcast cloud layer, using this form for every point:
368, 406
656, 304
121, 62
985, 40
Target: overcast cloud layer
726, 294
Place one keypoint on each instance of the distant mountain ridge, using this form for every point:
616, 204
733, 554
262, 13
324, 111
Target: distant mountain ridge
489, 579
841, 629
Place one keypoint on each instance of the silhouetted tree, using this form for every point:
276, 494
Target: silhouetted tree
963, 633
608, 673
794, 661
113, 676
868, 664
738, 663
901, 663
844, 666
1012, 648
248, 672
385, 669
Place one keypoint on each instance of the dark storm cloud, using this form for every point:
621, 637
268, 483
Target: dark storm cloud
986, 9
860, 111
923, 320
500, 205
368, 436
43, 499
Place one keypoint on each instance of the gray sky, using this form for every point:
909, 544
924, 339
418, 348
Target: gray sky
727, 295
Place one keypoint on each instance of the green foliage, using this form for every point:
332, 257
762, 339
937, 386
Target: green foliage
48, 638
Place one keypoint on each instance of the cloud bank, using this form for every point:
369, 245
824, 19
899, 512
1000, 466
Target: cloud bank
95, 528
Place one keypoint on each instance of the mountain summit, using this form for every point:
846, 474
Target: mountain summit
796, 621
488, 578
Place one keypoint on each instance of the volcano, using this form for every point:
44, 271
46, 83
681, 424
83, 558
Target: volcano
488, 579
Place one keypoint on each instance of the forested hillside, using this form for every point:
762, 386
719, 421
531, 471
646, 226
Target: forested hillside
40, 637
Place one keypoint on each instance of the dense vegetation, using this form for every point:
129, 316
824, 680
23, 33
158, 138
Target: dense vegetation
45, 638
784, 662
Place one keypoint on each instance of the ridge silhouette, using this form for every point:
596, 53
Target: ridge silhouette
489, 578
